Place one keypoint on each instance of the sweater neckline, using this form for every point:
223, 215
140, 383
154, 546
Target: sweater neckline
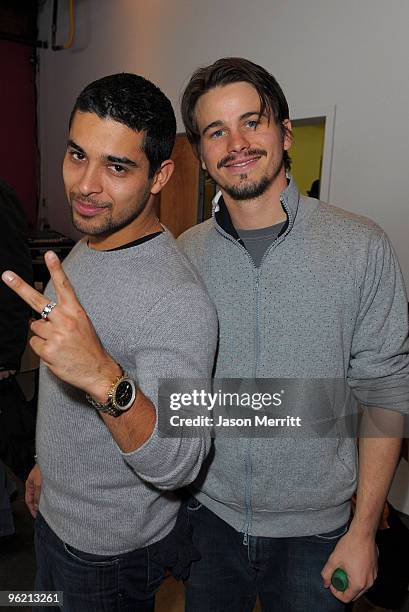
140, 247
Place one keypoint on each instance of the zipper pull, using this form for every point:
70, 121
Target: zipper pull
245, 539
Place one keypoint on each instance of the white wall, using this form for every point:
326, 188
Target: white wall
352, 54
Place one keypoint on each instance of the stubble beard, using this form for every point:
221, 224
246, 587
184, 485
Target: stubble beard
106, 225
247, 190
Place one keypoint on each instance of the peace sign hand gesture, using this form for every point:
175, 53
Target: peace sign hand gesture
65, 338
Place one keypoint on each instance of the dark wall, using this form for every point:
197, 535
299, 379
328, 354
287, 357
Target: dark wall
18, 148
18, 154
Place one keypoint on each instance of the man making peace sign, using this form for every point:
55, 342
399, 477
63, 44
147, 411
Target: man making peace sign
126, 310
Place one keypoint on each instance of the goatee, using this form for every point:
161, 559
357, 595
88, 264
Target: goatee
252, 190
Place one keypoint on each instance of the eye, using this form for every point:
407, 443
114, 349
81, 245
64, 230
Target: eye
217, 134
252, 123
117, 169
76, 155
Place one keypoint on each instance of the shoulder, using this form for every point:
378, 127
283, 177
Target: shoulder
177, 263
347, 222
339, 230
196, 235
79, 249
179, 280
194, 242
353, 239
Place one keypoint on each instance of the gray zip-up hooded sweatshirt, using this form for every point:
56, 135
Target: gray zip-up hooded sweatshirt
327, 301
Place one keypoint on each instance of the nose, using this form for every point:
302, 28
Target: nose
90, 180
237, 141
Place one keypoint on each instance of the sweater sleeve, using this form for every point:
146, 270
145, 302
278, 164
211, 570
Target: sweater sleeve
379, 365
181, 336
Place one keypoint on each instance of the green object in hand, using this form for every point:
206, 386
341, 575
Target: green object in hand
339, 579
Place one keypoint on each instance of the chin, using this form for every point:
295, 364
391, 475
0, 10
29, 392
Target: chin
247, 190
87, 227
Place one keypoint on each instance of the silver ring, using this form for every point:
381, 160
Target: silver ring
47, 309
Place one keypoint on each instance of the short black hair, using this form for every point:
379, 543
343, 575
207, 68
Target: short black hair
137, 103
234, 70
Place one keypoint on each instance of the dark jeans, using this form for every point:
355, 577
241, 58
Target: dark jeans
94, 583
284, 572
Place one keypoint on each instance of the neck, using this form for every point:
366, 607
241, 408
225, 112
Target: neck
146, 223
264, 211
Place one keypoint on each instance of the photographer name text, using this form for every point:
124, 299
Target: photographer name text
256, 420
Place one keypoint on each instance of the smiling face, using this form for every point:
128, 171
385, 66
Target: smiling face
241, 150
106, 180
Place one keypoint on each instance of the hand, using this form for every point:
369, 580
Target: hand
357, 555
6, 374
66, 341
33, 490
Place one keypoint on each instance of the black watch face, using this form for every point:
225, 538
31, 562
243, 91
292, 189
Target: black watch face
124, 394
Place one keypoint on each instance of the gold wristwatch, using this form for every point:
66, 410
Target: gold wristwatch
121, 396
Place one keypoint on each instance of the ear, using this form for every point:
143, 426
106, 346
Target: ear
288, 138
162, 176
197, 150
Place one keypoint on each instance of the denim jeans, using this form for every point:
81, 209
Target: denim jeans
285, 573
126, 582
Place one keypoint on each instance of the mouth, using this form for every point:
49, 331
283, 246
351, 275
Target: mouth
242, 165
87, 209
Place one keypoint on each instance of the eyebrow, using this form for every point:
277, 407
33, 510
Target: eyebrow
219, 122
111, 158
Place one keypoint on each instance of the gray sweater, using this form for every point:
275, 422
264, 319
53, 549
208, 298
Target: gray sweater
327, 301
153, 317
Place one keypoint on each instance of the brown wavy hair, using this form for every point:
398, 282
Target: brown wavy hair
234, 70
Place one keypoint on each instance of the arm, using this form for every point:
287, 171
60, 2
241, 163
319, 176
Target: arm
378, 458
356, 552
132, 429
379, 375
69, 346
178, 341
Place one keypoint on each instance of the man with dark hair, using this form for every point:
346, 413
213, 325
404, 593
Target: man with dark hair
139, 108
303, 290
126, 310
